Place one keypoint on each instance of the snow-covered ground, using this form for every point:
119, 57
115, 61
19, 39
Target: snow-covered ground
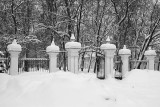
141, 88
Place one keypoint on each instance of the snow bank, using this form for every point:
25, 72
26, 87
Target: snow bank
61, 89
143, 77
64, 89
142, 87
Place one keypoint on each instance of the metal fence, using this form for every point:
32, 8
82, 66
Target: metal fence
143, 64
4, 65
118, 67
87, 60
33, 65
62, 60
91, 59
100, 62
157, 63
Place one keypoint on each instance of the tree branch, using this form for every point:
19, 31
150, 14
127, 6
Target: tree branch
120, 22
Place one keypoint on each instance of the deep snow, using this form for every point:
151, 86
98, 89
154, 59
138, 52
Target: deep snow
141, 88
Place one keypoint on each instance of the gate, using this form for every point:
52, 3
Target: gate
87, 59
100, 64
91, 59
118, 67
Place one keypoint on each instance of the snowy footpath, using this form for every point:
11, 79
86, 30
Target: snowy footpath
141, 88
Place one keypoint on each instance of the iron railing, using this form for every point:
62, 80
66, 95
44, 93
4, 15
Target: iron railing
4, 65
118, 67
157, 63
100, 62
133, 64
33, 65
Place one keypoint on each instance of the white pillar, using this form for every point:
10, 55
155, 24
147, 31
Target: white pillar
52, 51
125, 53
74, 60
14, 63
109, 55
109, 50
69, 59
52, 61
14, 50
150, 62
150, 54
73, 49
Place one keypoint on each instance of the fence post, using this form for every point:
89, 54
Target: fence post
150, 54
125, 53
109, 50
52, 51
14, 50
73, 48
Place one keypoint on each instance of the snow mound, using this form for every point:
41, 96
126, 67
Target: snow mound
4, 78
64, 89
144, 77
60, 89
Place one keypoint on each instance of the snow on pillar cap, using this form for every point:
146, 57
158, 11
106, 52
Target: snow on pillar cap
72, 44
150, 52
14, 46
108, 39
108, 45
124, 51
72, 37
52, 47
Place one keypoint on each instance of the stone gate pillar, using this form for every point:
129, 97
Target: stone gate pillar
14, 50
52, 51
109, 50
73, 49
125, 53
150, 54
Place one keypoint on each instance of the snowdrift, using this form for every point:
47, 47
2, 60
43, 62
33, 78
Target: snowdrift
64, 89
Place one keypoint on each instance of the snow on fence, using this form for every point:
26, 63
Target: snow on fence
33, 64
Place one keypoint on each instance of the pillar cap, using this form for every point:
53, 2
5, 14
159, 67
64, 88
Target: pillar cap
124, 51
52, 47
73, 44
150, 52
14, 46
108, 46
